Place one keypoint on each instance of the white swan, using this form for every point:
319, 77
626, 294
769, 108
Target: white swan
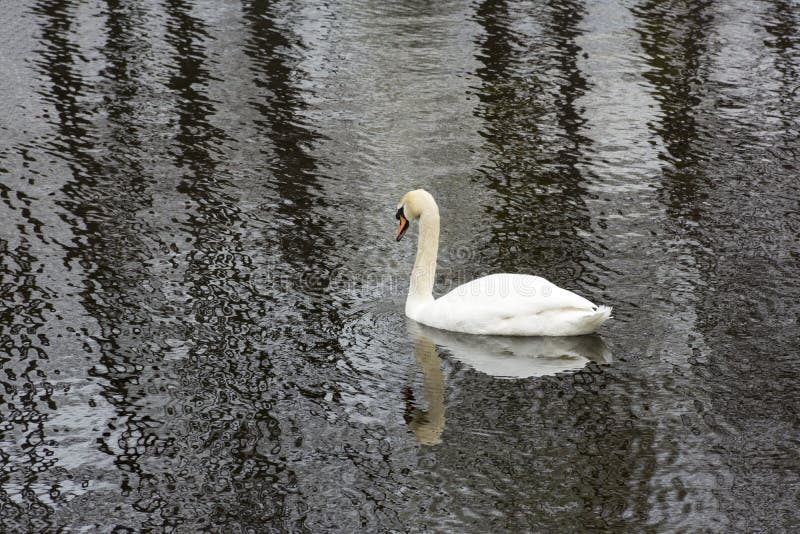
497, 304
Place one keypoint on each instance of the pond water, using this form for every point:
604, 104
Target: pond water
201, 309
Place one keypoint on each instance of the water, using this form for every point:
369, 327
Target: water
201, 302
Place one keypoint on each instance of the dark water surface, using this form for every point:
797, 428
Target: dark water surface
201, 300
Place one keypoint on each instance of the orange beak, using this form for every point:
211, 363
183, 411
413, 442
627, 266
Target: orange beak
401, 228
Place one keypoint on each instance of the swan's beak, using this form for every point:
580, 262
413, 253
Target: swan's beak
401, 228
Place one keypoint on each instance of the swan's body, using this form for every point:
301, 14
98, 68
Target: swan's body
498, 304
510, 305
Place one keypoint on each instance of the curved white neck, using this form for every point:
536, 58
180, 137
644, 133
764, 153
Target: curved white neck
420, 290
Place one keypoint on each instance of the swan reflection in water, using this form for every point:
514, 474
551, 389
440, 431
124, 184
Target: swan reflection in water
503, 357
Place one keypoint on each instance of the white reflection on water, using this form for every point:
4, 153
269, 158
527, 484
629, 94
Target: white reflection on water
503, 357
511, 357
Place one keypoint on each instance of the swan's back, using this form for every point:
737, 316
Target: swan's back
514, 304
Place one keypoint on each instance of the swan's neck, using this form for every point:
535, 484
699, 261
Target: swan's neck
420, 290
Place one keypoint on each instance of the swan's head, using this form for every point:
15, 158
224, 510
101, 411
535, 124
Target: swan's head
412, 206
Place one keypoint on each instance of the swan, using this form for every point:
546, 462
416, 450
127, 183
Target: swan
497, 304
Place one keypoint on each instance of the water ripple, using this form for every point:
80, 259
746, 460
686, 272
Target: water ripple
201, 305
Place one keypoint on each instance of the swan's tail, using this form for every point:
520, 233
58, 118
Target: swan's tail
605, 312
600, 316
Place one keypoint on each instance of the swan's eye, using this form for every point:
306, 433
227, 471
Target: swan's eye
400, 213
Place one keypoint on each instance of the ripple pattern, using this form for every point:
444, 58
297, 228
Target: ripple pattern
201, 303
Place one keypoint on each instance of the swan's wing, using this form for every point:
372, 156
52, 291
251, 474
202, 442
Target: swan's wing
513, 295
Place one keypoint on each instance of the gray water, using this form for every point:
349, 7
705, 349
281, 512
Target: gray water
201, 308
